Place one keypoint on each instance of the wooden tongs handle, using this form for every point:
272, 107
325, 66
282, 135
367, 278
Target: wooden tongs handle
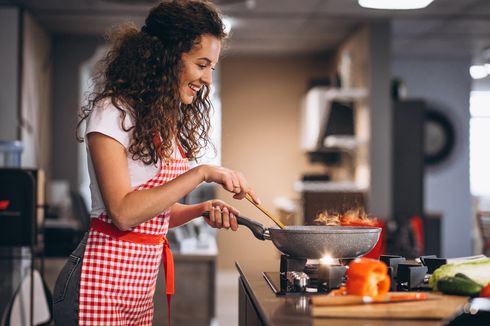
263, 210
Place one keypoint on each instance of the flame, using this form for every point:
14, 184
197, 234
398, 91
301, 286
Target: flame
327, 260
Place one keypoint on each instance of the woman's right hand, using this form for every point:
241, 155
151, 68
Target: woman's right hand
233, 181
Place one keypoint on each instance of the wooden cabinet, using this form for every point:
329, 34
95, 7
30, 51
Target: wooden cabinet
247, 314
195, 287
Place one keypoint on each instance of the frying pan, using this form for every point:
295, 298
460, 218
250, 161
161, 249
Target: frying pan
315, 242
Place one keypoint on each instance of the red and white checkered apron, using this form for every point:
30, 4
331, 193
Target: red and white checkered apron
119, 277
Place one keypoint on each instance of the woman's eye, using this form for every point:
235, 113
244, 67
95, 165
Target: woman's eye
202, 66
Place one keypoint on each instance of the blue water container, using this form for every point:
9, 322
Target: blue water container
10, 153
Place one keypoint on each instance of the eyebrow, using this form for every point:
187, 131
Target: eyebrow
206, 59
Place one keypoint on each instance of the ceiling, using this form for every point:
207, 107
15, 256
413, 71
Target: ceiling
447, 28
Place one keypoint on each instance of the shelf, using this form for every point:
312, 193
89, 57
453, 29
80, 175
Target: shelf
317, 110
341, 143
345, 93
322, 186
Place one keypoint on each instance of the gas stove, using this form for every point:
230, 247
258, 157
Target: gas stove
309, 277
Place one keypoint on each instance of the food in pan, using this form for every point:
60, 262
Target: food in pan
351, 217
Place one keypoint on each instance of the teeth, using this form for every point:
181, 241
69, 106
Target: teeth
194, 88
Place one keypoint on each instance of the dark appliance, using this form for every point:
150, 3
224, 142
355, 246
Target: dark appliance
408, 159
21, 220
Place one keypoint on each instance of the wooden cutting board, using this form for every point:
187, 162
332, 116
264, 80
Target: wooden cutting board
437, 306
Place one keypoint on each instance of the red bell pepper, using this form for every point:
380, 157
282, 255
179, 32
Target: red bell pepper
368, 277
485, 292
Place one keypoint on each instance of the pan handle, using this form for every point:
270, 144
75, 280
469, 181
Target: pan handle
258, 230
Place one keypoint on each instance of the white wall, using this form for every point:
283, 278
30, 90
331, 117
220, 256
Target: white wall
9, 72
447, 84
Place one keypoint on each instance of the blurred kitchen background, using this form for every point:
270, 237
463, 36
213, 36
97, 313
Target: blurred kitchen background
322, 104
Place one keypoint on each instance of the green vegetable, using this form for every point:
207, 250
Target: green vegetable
459, 284
463, 276
478, 271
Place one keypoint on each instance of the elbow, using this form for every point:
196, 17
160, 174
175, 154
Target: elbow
119, 220
171, 225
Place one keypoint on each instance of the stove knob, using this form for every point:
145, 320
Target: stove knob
301, 281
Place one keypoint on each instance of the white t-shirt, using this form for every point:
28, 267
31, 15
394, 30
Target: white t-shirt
105, 118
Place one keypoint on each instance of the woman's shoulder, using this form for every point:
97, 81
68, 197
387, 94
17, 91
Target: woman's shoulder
107, 118
107, 110
107, 106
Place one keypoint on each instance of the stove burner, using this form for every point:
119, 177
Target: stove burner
301, 276
404, 276
331, 276
410, 276
298, 281
392, 262
296, 276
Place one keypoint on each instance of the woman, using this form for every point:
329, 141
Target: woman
149, 115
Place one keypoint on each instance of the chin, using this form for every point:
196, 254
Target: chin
187, 101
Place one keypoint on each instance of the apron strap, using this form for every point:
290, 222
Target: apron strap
181, 150
157, 141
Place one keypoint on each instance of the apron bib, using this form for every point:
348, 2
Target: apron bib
118, 277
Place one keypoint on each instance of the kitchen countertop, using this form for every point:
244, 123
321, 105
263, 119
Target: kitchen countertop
294, 309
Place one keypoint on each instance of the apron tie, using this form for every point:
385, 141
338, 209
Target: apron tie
168, 266
142, 238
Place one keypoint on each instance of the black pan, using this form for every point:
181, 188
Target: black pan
315, 242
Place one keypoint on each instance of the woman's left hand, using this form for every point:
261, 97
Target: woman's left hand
221, 215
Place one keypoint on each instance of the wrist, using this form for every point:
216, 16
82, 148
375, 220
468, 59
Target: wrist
202, 171
205, 206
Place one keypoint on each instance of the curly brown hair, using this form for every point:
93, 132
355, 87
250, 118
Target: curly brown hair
140, 75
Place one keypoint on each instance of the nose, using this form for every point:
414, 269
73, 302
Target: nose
207, 77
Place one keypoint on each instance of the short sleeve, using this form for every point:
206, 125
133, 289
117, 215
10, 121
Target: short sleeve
106, 119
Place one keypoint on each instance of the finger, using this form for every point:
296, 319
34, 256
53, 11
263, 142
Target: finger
242, 180
219, 219
208, 222
228, 183
237, 186
240, 195
233, 222
223, 178
212, 216
225, 213
244, 188
233, 210
254, 197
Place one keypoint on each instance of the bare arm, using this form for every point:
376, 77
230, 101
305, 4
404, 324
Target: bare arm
129, 208
221, 214
182, 214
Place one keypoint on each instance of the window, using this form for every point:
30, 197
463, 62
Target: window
479, 143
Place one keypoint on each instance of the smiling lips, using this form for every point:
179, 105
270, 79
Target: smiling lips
194, 89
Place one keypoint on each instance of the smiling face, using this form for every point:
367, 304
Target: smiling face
197, 67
